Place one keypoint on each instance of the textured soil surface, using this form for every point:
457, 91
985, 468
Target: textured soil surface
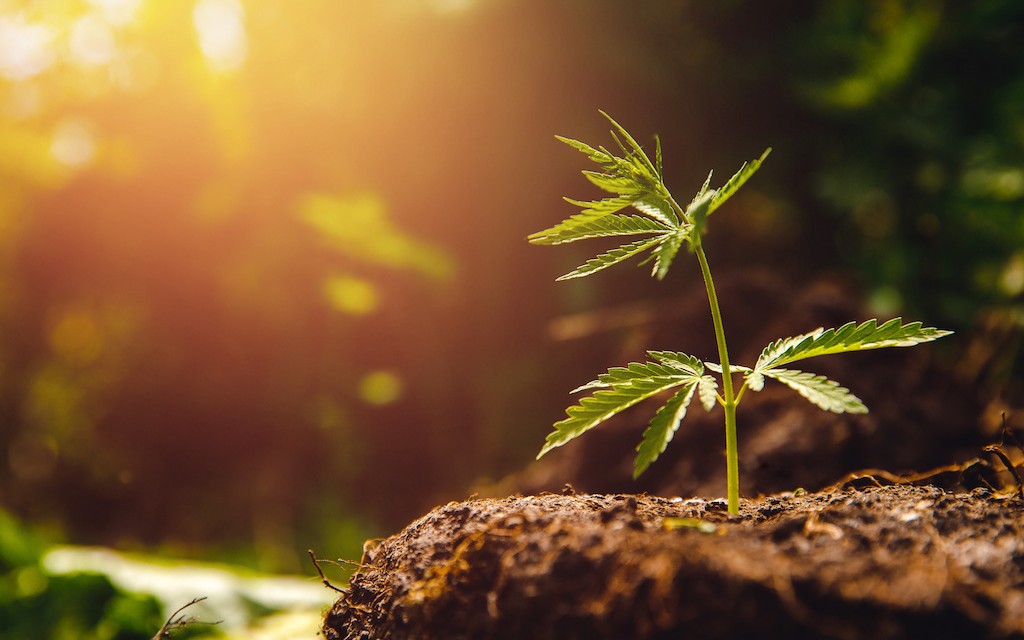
864, 559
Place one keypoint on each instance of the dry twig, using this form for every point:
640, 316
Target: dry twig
177, 622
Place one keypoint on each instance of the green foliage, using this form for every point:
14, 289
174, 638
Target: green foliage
927, 190
623, 387
617, 390
849, 337
733, 185
35, 603
637, 182
92, 593
821, 391
614, 256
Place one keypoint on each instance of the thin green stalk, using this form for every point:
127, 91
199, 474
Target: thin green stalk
729, 399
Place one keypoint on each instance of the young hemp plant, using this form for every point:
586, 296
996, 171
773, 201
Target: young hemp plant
642, 208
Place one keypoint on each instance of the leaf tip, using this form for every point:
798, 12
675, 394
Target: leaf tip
548, 446
639, 467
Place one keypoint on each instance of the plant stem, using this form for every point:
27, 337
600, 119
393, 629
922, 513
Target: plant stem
731, 448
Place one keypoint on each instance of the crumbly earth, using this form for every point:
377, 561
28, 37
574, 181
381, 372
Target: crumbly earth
858, 560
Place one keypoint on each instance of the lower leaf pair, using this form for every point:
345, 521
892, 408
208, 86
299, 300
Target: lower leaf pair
623, 387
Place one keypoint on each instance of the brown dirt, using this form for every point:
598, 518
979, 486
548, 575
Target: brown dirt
896, 561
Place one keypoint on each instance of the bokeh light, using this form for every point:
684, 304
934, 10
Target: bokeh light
220, 28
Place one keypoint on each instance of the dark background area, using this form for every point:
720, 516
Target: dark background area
264, 282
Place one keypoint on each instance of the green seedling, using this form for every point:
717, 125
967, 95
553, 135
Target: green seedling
642, 209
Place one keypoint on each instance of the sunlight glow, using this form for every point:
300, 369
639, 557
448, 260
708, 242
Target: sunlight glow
92, 42
221, 33
73, 143
451, 6
351, 295
135, 69
116, 12
380, 388
25, 49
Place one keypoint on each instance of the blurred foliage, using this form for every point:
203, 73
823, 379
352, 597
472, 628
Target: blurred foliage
76, 606
930, 183
262, 265
76, 593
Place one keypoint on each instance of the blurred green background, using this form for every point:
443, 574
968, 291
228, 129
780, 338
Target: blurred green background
264, 282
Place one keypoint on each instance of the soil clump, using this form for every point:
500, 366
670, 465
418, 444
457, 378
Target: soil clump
862, 559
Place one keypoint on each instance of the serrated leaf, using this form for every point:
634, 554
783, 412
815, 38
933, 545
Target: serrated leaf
739, 178
616, 391
635, 181
707, 391
640, 371
733, 368
697, 214
783, 345
707, 386
849, 337
613, 183
612, 257
657, 156
666, 253
658, 208
634, 371
819, 390
593, 384
662, 428
754, 380
603, 158
636, 148
596, 225
603, 206
625, 152
679, 361
704, 187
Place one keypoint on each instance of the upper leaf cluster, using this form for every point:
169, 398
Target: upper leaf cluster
663, 226
635, 181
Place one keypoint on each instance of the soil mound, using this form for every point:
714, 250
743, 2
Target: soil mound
895, 561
